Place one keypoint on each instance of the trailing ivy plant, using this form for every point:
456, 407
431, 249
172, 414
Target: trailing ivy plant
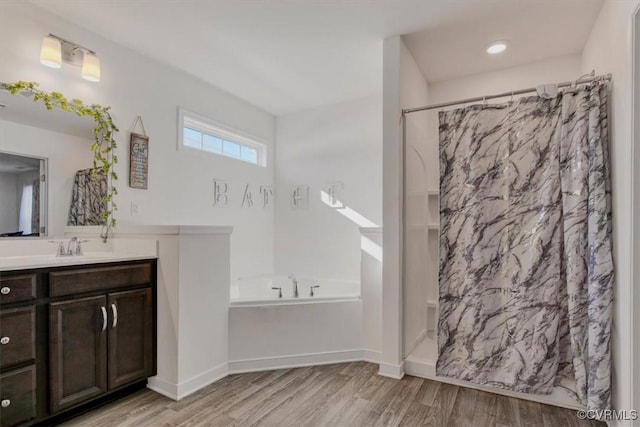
104, 144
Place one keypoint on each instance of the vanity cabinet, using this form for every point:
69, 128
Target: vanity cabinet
78, 336
77, 351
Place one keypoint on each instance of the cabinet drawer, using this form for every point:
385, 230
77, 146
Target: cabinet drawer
17, 288
17, 336
98, 278
18, 396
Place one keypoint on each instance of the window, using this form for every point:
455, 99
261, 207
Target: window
199, 133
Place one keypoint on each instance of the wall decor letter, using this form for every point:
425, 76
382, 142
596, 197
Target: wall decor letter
267, 195
333, 193
247, 198
300, 197
220, 190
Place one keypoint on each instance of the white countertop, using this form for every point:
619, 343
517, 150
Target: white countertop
29, 254
11, 263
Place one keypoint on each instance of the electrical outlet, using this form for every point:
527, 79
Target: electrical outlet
134, 208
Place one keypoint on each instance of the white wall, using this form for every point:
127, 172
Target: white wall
337, 143
180, 182
636, 205
551, 70
609, 49
421, 170
9, 206
66, 155
392, 187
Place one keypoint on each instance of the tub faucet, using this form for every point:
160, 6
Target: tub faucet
279, 291
74, 247
295, 285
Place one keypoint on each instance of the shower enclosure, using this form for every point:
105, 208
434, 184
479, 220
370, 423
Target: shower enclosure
525, 268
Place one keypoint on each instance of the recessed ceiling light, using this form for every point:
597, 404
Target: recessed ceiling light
496, 47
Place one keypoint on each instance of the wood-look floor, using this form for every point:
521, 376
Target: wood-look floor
341, 395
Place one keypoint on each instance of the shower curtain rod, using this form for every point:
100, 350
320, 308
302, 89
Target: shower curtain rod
606, 77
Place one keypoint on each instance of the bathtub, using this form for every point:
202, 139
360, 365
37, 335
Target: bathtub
267, 332
258, 291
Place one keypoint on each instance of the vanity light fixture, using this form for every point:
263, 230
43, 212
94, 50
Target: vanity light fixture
56, 50
51, 52
497, 47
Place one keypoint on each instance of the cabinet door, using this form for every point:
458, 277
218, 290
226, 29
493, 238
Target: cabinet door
131, 337
77, 350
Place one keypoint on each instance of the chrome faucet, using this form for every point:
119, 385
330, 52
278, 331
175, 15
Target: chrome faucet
295, 285
74, 247
73, 241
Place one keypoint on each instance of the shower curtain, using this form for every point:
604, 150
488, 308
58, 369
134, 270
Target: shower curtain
86, 198
526, 269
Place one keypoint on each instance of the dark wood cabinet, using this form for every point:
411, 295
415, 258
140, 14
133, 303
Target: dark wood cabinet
18, 388
77, 351
74, 337
131, 352
17, 336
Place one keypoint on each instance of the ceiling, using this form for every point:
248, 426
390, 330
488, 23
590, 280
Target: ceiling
10, 163
534, 31
290, 55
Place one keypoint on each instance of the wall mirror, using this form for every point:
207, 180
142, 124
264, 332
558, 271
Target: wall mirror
23, 191
37, 142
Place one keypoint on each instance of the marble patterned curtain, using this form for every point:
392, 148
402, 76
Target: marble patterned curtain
526, 270
86, 198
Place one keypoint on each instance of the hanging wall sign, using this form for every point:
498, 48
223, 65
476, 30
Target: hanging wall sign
138, 158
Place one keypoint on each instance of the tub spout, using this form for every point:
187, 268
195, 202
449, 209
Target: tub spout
295, 285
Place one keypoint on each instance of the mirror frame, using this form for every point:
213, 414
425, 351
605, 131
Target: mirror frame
43, 231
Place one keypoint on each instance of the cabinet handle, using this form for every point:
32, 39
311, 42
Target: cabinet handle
5, 290
104, 318
5, 340
5, 403
115, 315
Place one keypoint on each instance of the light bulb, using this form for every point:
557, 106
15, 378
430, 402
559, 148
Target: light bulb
91, 67
51, 52
496, 48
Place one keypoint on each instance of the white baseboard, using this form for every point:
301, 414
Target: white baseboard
184, 389
371, 356
199, 381
392, 371
294, 361
428, 371
163, 387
